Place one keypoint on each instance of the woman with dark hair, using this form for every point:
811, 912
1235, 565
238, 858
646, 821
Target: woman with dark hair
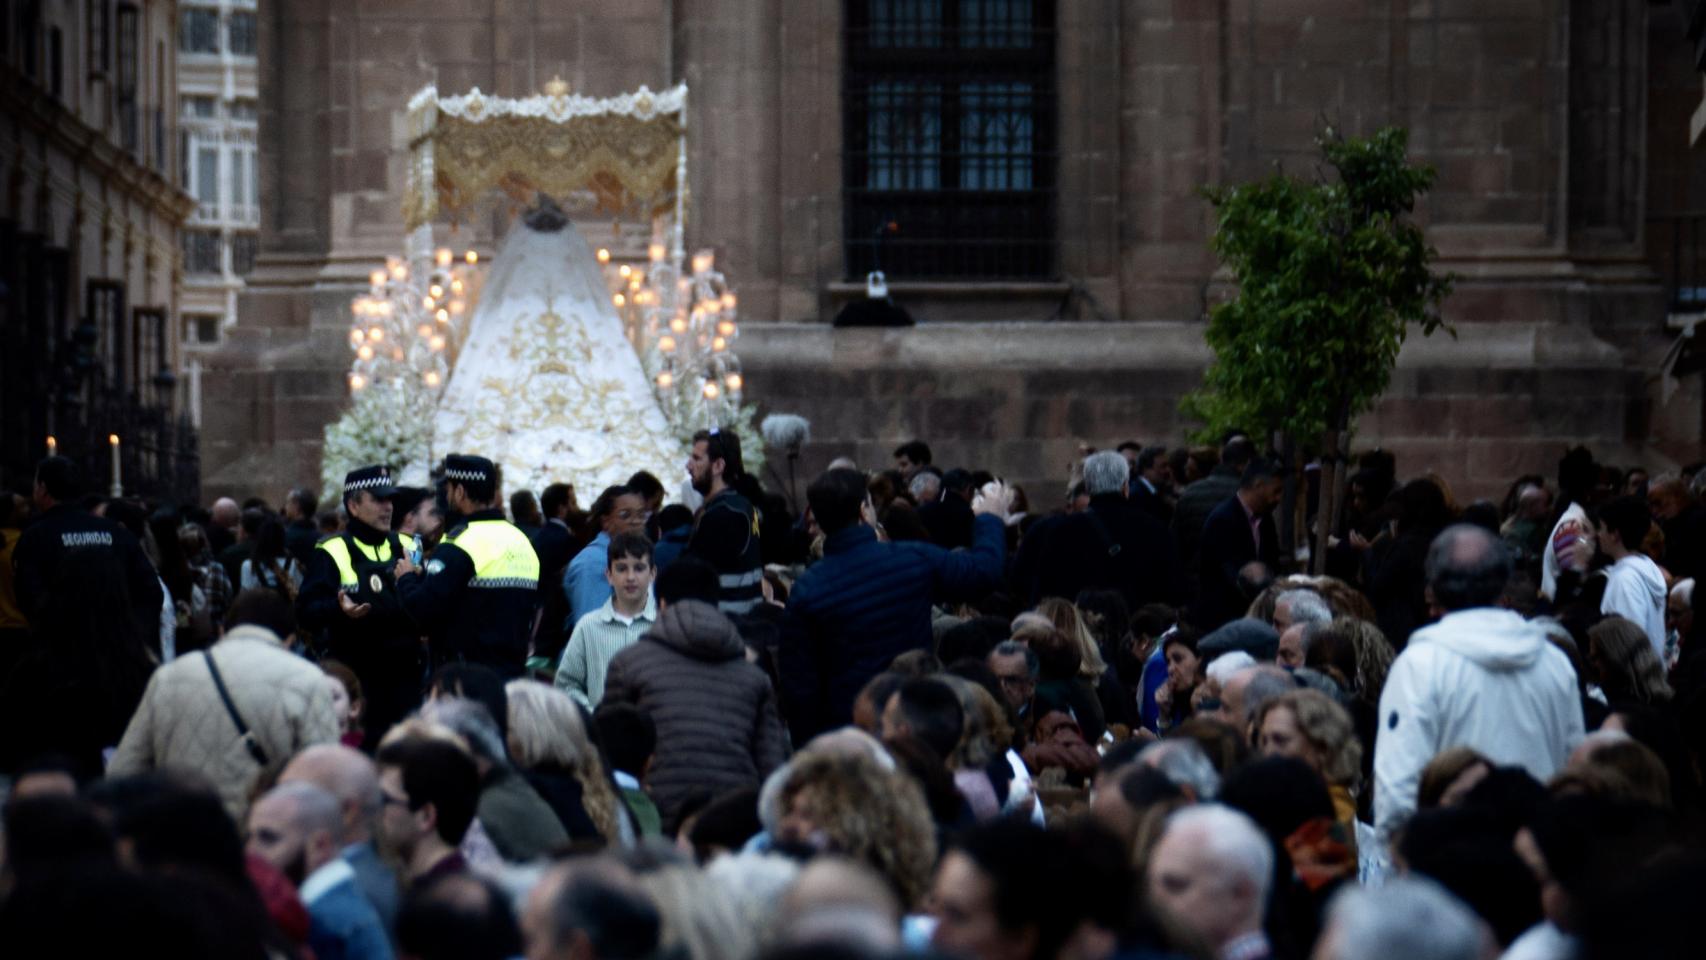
192, 627
271, 567
1184, 671
88, 664
1396, 580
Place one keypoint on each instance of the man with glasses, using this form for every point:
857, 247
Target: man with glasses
429, 790
1016, 666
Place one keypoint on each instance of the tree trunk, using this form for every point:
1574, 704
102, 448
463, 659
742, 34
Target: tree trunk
1287, 520
1326, 505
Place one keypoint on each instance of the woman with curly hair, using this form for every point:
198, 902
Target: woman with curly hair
1308, 725
550, 746
849, 805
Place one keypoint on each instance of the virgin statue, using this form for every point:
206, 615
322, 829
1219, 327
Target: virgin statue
547, 385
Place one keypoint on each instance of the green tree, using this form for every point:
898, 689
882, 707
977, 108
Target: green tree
1331, 274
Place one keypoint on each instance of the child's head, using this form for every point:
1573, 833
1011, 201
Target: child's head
347, 702
629, 567
628, 736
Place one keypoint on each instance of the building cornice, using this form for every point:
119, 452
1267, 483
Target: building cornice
91, 148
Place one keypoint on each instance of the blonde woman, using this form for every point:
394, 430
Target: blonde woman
1308, 725
1118, 706
549, 744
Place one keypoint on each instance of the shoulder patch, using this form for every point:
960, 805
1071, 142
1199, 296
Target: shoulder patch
434, 566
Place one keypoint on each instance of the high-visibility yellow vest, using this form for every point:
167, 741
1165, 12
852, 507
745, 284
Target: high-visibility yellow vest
338, 548
502, 555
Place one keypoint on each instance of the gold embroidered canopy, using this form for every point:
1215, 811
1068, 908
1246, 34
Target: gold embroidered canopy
627, 150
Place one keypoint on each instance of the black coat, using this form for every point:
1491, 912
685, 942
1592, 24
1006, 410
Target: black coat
555, 545
1151, 502
1226, 547
62, 534
1114, 546
1196, 502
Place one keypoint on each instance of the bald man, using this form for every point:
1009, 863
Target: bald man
222, 524
295, 828
351, 778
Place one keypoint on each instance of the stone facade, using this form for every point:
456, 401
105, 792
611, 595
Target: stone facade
90, 216
1558, 128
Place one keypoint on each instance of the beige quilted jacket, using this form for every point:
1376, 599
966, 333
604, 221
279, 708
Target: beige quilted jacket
182, 724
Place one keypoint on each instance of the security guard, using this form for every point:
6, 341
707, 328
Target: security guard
480, 588
64, 536
350, 596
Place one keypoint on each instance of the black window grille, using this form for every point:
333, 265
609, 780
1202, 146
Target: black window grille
201, 328
243, 247
202, 253
129, 76
949, 113
198, 30
242, 30
100, 22
106, 313
55, 63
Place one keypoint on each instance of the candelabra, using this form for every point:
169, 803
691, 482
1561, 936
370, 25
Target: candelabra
409, 326
683, 324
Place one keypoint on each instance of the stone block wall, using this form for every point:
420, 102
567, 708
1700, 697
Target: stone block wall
1540, 115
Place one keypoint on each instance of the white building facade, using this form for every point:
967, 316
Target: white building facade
217, 130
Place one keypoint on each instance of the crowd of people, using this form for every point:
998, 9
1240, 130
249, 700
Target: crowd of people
918, 713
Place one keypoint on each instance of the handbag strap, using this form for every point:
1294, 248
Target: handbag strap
249, 741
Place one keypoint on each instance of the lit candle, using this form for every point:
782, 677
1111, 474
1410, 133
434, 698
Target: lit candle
118, 479
52, 447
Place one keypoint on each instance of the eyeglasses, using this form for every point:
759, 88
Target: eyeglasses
386, 800
1017, 680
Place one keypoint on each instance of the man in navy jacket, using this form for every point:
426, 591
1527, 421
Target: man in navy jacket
868, 601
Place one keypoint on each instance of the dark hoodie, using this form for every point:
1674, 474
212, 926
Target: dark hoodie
716, 718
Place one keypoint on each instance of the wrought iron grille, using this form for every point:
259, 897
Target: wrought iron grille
949, 123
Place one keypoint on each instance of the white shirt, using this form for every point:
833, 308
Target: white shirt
321, 881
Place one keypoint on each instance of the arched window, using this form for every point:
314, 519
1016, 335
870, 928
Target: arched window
949, 113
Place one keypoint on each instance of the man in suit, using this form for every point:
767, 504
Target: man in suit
1199, 499
1152, 483
1240, 531
555, 545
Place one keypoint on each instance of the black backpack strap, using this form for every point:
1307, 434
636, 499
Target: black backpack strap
249, 742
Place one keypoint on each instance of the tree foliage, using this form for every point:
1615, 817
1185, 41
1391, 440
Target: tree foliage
1330, 276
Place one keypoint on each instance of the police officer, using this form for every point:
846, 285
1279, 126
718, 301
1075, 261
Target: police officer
65, 532
350, 595
480, 588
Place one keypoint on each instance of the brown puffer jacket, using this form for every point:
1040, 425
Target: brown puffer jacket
716, 718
